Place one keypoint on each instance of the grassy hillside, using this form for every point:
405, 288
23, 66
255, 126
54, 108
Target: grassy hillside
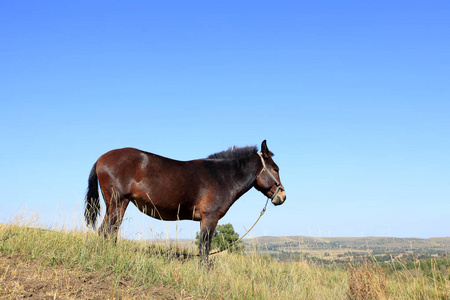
141, 266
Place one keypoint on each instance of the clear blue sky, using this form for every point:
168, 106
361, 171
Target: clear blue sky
352, 96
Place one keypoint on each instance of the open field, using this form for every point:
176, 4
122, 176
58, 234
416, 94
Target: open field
344, 249
72, 265
362, 243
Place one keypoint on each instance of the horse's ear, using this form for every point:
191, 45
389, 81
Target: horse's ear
264, 150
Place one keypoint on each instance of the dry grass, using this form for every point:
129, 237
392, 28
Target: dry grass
22, 278
135, 270
366, 282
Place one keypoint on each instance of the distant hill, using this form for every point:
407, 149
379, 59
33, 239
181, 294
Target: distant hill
375, 241
320, 245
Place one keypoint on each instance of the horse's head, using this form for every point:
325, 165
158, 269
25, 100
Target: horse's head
268, 179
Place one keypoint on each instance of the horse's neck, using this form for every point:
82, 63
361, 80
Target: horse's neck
244, 177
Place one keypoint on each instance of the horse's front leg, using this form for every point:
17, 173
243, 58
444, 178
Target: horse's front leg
207, 227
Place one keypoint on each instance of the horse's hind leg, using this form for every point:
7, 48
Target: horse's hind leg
115, 210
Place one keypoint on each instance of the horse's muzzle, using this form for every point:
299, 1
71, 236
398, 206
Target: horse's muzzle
279, 198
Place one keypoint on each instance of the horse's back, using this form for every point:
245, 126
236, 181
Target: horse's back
120, 168
120, 158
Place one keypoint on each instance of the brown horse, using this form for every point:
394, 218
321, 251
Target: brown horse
200, 190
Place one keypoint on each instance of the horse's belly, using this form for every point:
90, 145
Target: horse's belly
168, 213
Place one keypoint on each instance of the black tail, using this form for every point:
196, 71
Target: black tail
92, 199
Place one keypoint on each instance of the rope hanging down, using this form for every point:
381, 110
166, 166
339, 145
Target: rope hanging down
237, 241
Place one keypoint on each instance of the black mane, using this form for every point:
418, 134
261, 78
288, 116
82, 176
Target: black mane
235, 153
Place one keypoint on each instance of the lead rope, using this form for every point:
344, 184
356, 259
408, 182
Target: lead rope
237, 241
